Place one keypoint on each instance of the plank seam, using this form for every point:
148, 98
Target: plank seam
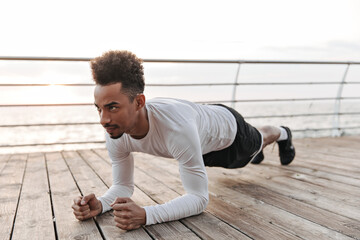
50, 196
107, 162
6, 162
77, 185
17, 204
87, 163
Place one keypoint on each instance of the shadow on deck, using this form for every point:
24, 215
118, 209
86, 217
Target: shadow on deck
316, 197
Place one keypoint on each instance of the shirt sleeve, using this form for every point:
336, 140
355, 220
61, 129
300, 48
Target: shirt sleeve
123, 175
184, 144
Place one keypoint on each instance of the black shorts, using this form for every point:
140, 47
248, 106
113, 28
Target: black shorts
247, 143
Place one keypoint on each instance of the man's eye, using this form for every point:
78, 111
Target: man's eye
112, 108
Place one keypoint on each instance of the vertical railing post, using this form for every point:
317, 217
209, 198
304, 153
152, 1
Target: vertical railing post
235, 86
336, 117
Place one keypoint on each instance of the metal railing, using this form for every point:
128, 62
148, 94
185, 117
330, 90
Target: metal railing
336, 128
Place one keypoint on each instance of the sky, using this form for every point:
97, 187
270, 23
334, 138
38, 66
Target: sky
187, 29
306, 30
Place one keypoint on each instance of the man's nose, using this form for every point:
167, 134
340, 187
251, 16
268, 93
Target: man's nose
104, 118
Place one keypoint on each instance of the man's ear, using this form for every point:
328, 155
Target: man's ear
140, 100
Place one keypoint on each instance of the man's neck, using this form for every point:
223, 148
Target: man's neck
142, 125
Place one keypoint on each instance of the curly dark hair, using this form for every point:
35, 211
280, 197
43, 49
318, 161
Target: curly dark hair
119, 67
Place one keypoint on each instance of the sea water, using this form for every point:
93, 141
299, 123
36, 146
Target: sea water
166, 73
95, 132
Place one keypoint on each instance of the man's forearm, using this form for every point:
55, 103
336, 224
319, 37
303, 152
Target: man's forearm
181, 207
112, 193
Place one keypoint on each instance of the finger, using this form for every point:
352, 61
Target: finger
120, 207
80, 208
87, 198
81, 218
84, 213
123, 214
77, 200
123, 206
121, 220
122, 226
127, 227
120, 200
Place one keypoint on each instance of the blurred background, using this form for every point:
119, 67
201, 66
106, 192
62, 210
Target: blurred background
293, 63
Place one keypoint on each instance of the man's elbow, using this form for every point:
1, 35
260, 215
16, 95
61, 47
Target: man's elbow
204, 201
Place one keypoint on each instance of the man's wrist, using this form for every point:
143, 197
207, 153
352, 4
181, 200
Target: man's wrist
101, 208
144, 219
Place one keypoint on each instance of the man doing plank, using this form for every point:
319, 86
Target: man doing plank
196, 135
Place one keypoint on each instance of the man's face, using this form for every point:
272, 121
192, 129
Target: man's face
117, 114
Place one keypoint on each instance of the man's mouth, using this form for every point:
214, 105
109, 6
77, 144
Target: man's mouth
110, 128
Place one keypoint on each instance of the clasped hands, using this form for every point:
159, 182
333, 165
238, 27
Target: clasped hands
127, 214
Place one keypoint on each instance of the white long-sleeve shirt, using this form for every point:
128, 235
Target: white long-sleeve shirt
177, 129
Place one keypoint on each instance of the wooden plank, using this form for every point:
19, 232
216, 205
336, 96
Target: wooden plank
306, 164
332, 158
348, 142
325, 218
307, 172
327, 146
269, 213
63, 191
89, 182
3, 160
332, 225
305, 169
346, 194
353, 138
34, 216
318, 163
205, 225
286, 187
331, 161
321, 167
11, 179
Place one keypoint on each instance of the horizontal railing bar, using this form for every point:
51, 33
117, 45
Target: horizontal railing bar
49, 124
102, 142
176, 84
22, 58
278, 100
301, 115
19, 58
247, 83
324, 129
247, 117
49, 144
204, 102
46, 84
47, 105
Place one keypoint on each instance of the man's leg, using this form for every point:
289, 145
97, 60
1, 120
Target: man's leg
284, 139
270, 134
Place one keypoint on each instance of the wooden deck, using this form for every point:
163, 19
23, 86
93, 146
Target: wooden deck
316, 197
